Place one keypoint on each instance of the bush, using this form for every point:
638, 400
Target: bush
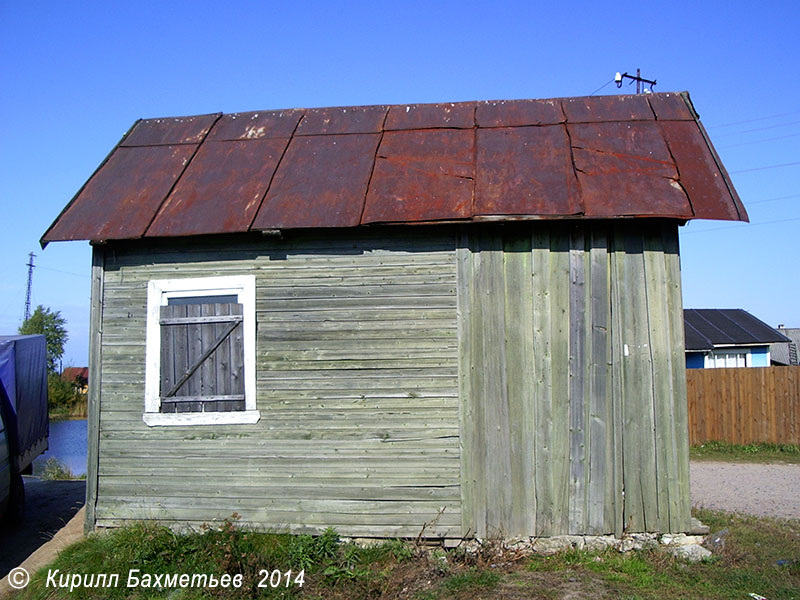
54, 469
63, 396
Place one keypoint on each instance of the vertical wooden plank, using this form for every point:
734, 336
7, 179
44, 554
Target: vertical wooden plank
479, 391
663, 421
559, 333
692, 402
95, 386
167, 360
207, 371
792, 414
194, 351
667, 368
578, 379
498, 441
237, 359
601, 492
467, 438
681, 503
543, 382
519, 376
618, 286
639, 463
771, 392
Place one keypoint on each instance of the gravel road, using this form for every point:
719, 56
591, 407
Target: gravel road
756, 489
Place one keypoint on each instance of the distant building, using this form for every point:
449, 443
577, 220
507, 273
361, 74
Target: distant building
79, 376
785, 353
724, 338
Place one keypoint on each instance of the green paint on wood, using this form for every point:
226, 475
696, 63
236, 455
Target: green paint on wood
582, 412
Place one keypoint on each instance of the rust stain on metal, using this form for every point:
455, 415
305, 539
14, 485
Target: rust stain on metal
525, 171
670, 107
602, 157
422, 176
178, 130
701, 176
119, 201
593, 109
321, 182
349, 119
460, 115
221, 189
256, 125
519, 113
626, 170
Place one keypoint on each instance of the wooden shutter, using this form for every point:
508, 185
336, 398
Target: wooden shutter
202, 357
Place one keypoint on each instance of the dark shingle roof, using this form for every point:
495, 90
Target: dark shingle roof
594, 157
709, 327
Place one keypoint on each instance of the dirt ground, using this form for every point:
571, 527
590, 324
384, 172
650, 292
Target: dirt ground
766, 490
48, 507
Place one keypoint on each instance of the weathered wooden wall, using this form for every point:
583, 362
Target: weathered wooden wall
573, 380
357, 387
493, 380
743, 405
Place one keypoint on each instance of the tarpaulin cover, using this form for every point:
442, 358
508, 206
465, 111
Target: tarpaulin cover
23, 375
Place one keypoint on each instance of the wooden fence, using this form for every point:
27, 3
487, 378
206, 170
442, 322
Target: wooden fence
744, 405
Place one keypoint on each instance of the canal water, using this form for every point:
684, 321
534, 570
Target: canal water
67, 443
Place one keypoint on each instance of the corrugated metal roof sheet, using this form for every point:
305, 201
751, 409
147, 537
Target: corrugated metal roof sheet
707, 328
593, 157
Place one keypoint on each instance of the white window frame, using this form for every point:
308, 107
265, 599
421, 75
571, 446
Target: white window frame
159, 291
716, 356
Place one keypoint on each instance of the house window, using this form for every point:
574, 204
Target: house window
200, 352
719, 359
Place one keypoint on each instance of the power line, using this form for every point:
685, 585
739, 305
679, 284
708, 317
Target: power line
794, 112
791, 164
743, 225
773, 199
772, 139
65, 272
602, 86
756, 129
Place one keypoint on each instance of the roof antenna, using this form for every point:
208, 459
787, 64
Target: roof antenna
638, 79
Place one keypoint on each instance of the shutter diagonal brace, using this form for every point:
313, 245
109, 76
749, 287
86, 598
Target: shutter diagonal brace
190, 371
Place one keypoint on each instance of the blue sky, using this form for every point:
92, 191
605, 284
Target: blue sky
75, 75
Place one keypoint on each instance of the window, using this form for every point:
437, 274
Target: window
719, 359
200, 353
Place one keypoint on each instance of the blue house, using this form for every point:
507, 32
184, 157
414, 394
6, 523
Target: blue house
727, 337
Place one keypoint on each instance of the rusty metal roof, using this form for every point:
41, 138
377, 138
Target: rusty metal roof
593, 157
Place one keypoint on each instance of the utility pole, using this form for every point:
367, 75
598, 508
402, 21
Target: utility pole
30, 284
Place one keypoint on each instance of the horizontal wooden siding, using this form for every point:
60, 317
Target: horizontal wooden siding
357, 384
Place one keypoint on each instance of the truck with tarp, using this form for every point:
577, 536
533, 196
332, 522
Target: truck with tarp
23, 415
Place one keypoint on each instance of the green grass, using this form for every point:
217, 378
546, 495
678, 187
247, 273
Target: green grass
758, 452
759, 556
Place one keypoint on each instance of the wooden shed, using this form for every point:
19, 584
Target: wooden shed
458, 319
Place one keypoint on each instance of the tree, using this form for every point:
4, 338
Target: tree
52, 325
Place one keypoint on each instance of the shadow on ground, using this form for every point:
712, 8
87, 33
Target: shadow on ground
48, 507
